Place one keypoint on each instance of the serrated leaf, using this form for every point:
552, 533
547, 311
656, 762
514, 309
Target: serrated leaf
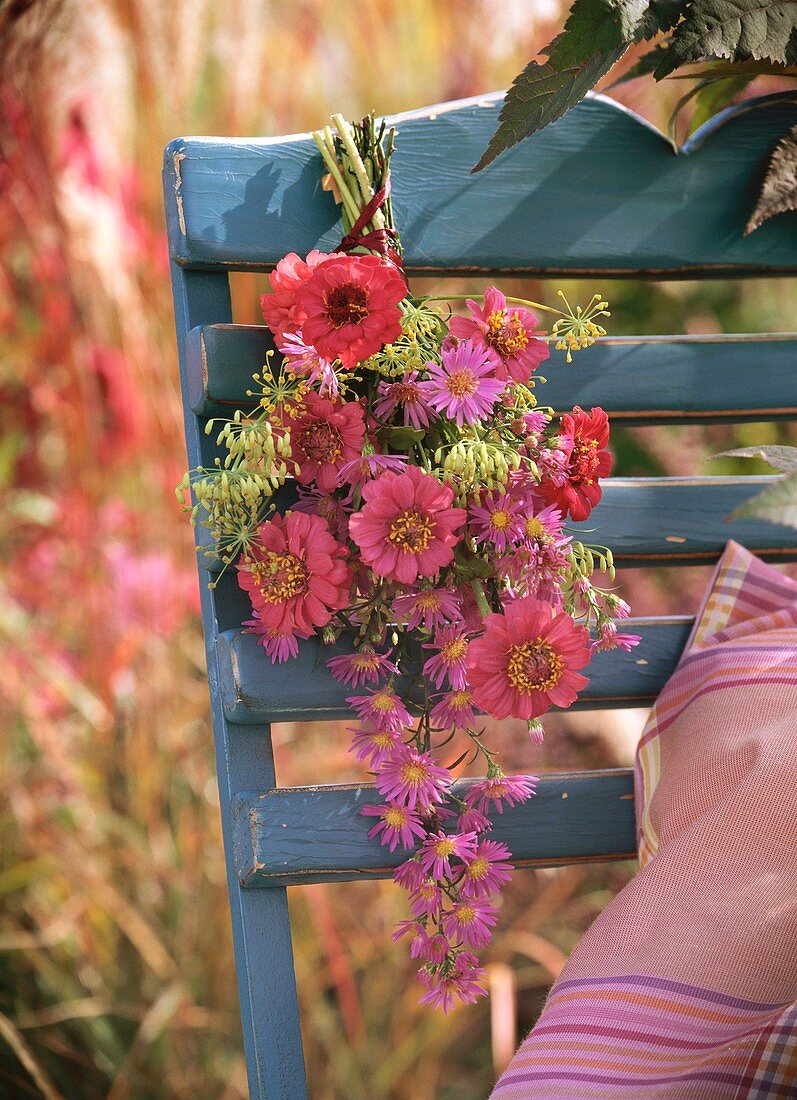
596, 35
662, 15
646, 64
779, 190
738, 30
780, 458
777, 503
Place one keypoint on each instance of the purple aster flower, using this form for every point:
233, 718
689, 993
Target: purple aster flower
487, 871
381, 708
496, 519
454, 709
419, 937
367, 467
363, 666
427, 899
279, 647
463, 386
463, 985
396, 825
473, 821
304, 360
413, 779
315, 502
407, 395
436, 949
375, 744
429, 607
491, 793
409, 875
471, 922
451, 658
437, 850
611, 638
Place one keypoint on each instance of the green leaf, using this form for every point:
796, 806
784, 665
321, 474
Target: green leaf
662, 15
777, 503
647, 63
779, 190
714, 95
596, 35
401, 437
783, 459
739, 30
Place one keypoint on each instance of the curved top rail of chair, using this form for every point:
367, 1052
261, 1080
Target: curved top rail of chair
599, 193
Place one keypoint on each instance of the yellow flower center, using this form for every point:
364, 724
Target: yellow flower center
444, 847
506, 333
280, 576
414, 773
459, 698
365, 661
465, 914
427, 889
383, 701
454, 650
477, 868
500, 519
462, 383
534, 666
382, 739
429, 601
411, 531
395, 817
533, 528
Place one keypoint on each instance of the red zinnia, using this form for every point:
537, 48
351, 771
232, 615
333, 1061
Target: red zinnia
524, 661
351, 307
295, 576
584, 439
279, 308
325, 436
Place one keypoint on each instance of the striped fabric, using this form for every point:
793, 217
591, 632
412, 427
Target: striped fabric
685, 987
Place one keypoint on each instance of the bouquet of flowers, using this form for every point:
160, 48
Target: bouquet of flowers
425, 543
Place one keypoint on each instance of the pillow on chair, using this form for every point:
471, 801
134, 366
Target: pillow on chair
685, 987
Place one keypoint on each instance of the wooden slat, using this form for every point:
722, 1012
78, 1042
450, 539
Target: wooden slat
638, 380
299, 835
601, 191
255, 691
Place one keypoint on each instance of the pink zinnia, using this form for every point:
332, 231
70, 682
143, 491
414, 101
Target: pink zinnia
351, 306
407, 527
487, 871
438, 848
413, 779
381, 708
496, 519
375, 744
363, 667
525, 660
396, 825
491, 793
429, 607
405, 394
455, 708
426, 900
295, 574
470, 922
451, 658
463, 386
507, 332
325, 435
279, 308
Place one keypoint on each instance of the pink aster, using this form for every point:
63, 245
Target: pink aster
525, 660
610, 638
473, 821
396, 825
278, 646
381, 708
436, 949
325, 435
508, 333
471, 922
427, 899
366, 467
438, 848
295, 574
406, 395
496, 520
464, 984
362, 667
407, 527
305, 362
487, 870
429, 607
409, 875
419, 937
413, 779
317, 503
490, 794
450, 659
455, 708
374, 744
464, 386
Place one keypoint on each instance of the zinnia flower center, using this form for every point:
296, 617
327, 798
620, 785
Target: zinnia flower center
506, 333
320, 441
500, 519
395, 817
445, 847
584, 460
411, 531
280, 577
534, 666
454, 650
477, 868
414, 773
346, 305
462, 383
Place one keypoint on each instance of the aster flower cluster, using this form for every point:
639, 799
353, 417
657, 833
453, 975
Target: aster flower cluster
428, 541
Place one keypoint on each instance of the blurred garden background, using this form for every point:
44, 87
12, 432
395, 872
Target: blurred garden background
116, 975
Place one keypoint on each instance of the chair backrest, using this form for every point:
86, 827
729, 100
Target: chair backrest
597, 193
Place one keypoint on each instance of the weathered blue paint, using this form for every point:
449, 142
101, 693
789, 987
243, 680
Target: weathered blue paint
601, 191
708, 378
254, 691
316, 834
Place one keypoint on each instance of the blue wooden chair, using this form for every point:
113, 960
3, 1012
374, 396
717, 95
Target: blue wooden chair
598, 193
